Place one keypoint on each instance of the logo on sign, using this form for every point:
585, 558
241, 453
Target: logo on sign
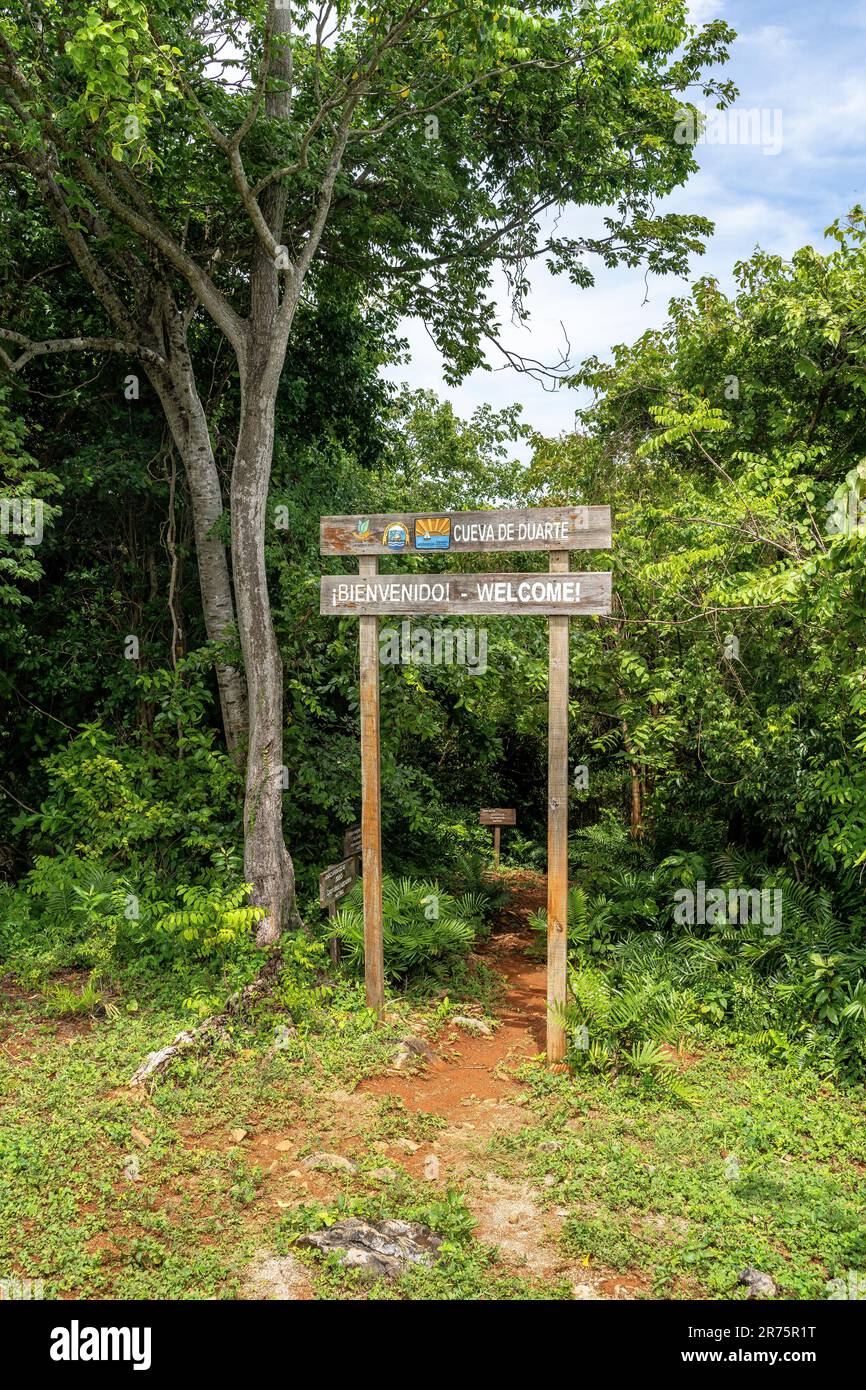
363, 528
396, 537
433, 533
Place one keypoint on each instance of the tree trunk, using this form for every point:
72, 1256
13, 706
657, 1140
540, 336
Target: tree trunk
636, 803
186, 419
267, 863
635, 799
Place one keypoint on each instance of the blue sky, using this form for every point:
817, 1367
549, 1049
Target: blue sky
801, 59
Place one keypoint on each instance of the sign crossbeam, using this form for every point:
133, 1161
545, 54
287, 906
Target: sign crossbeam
556, 594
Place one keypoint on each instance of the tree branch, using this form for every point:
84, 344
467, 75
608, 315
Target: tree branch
51, 346
151, 230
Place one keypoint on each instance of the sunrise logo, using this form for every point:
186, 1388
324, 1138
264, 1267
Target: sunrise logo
433, 533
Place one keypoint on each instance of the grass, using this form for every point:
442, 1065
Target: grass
766, 1170
71, 1133
106, 1193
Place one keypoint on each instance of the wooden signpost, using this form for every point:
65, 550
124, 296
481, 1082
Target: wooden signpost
336, 881
423, 533
497, 817
556, 594
334, 884
411, 594
352, 842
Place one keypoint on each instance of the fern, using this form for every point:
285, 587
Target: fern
423, 927
626, 1028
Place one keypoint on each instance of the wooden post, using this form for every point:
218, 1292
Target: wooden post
335, 944
371, 801
496, 846
557, 820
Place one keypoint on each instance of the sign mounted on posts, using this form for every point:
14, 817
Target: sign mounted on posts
334, 884
556, 594
497, 817
423, 533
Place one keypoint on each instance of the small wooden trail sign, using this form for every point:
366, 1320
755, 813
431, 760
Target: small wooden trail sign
556, 594
423, 533
352, 842
334, 884
336, 881
497, 817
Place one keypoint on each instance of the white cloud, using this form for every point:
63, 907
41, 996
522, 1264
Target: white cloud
622, 305
829, 125
700, 11
775, 38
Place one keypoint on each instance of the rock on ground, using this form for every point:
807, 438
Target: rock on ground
760, 1285
473, 1025
376, 1249
411, 1051
334, 1163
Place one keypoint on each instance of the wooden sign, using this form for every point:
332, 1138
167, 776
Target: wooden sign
413, 594
423, 533
497, 817
336, 881
556, 594
334, 884
352, 842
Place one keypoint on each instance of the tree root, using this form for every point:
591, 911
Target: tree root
216, 1026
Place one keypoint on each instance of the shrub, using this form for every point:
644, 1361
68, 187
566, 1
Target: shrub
625, 1024
471, 878
423, 927
78, 906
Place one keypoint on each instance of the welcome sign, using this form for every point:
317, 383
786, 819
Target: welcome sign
415, 594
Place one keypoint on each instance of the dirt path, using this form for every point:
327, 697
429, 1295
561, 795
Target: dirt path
477, 1068
470, 1084
467, 1080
